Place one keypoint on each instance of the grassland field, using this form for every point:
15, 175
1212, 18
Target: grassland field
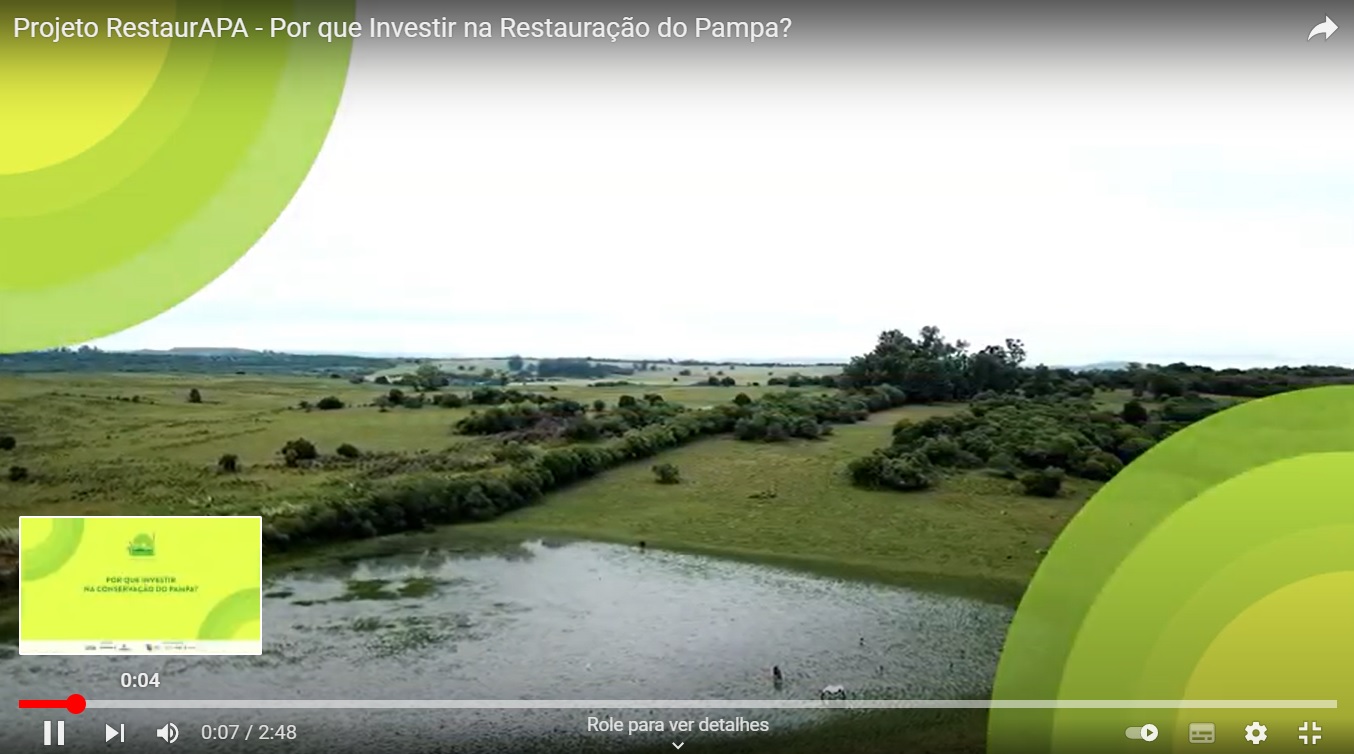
134, 444
118, 443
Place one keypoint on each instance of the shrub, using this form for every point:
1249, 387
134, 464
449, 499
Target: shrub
1100, 466
1003, 465
449, 400
1045, 483
229, 463
382, 380
906, 473
1133, 447
7, 442
742, 399
347, 450
18, 473
667, 473
599, 405
583, 430
299, 450
395, 396
513, 452
329, 403
194, 396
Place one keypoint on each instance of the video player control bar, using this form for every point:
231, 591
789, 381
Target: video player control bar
740, 704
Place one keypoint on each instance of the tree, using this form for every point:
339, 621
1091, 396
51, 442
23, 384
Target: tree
1135, 413
742, 399
18, 473
229, 463
348, 451
194, 396
7, 442
382, 380
1165, 385
329, 403
430, 377
515, 363
599, 405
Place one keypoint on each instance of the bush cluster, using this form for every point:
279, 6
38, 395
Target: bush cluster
419, 500
1037, 441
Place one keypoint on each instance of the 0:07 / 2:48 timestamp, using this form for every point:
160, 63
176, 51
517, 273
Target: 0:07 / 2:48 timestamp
230, 732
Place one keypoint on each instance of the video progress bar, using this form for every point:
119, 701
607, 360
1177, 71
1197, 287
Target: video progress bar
736, 704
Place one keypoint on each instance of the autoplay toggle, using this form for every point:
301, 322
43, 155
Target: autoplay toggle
1146, 732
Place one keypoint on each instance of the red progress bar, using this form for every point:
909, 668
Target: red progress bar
74, 704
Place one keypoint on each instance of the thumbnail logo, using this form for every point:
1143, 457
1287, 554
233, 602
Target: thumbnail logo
142, 546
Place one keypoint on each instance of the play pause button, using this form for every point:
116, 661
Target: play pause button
110, 733
48, 727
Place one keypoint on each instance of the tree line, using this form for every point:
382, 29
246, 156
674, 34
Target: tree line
930, 368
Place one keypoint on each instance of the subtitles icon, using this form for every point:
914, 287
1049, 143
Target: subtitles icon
1202, 733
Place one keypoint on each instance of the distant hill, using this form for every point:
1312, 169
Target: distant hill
1100, 366
190, 360
194, 351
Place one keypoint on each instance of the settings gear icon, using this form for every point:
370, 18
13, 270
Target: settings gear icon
1255, 732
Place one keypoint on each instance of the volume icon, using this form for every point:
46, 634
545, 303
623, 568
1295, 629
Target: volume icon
170, 733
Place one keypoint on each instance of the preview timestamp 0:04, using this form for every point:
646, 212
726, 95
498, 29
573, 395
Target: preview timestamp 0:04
232, 732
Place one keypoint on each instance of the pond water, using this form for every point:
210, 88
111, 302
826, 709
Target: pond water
534, 621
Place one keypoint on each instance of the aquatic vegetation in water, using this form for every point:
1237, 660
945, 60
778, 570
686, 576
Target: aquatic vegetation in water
367, 589
406, 635
416, 587
367, 624
421, 586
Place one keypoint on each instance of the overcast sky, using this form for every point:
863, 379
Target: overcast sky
1194, 210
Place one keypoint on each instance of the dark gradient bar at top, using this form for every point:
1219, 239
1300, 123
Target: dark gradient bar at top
1141, 32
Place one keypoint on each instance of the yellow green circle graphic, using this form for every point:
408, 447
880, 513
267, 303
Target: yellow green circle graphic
155, 143
46, 556
226, 620
1211, 584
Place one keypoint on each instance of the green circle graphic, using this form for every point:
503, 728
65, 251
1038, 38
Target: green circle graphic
54, 551
1217, 568
229, 615
219, 134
